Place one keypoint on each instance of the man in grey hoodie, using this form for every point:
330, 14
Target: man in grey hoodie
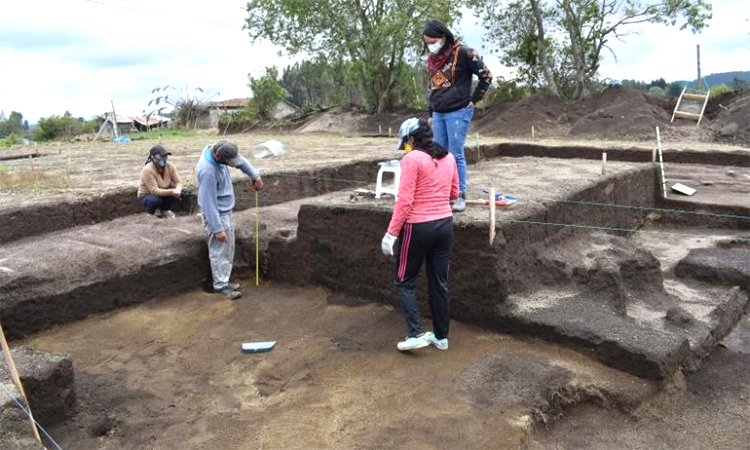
216, 199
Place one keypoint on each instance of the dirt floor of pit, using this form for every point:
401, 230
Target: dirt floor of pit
170, 373
709, 409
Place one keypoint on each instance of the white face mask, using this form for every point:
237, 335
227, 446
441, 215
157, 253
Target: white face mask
433, 48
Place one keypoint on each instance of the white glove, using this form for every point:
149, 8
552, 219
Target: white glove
387, 244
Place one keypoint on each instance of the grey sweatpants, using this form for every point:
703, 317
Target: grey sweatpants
221, 254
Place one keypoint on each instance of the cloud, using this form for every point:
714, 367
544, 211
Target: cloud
79, 55
35, 40
100, 59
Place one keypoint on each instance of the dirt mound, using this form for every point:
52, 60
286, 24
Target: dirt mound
615, 113
619, 113
730, 117
349, 121
546, 113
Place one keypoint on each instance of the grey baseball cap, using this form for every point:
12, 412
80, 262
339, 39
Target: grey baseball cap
229, 152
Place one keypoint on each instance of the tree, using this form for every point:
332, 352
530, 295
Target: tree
558, 44
321, 82
674, 88
738, 83
188, 106
13, 124
378, 37
55, 127
267, 92
661, 83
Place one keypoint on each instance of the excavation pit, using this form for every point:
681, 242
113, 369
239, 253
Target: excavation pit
585, 261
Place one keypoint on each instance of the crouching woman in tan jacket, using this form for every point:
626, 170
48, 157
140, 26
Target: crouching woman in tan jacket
160, 184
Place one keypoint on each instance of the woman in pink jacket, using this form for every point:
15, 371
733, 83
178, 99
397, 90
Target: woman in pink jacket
422, 223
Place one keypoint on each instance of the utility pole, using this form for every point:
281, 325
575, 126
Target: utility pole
114, 118
698, 84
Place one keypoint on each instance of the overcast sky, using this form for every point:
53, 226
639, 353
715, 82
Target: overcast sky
77, 55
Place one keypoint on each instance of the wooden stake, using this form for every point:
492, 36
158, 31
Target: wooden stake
604, 163
17, 381
653, 155
389, 131
532, 132
380, 130
492, 215
661, 164
31, 160
257, 240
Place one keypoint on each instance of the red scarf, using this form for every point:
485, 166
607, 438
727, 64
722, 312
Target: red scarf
436, 62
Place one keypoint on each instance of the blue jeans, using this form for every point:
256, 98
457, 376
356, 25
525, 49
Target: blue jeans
153, 202
450, 130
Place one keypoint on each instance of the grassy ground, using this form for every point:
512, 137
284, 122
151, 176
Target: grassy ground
91, 168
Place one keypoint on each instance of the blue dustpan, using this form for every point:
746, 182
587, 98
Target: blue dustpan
501, 196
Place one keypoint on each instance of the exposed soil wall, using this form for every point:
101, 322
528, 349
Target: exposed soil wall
282, 187
25, 221
21, 319
712, 216
728, 158
487, 273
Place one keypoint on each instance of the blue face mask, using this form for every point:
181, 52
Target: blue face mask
162, 162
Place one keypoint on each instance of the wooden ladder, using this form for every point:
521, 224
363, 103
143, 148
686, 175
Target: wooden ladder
691, 98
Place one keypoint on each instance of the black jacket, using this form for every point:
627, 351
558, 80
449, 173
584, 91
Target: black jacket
450, 87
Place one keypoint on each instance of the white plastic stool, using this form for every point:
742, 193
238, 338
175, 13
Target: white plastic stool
394, 167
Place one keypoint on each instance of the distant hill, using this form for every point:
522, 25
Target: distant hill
721, 78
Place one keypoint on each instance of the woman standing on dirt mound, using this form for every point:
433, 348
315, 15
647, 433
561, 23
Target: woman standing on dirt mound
160, 185
452, 66
422, 223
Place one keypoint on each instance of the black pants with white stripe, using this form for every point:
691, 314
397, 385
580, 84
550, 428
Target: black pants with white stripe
431, 241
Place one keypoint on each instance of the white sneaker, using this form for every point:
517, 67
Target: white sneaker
440, 344
413, 343
460, 204
169, 214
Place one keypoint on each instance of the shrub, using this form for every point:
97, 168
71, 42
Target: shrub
11, 140
656, 91
719, 89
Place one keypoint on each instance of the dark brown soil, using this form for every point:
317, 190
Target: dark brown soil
617, 114
731, 117
170, 374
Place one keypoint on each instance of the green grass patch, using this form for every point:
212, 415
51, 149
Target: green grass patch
159, 134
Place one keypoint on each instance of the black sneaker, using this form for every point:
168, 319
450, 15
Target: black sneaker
229, 292
234, 286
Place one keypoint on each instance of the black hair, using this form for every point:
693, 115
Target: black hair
437, 29
155, 150
423, 141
